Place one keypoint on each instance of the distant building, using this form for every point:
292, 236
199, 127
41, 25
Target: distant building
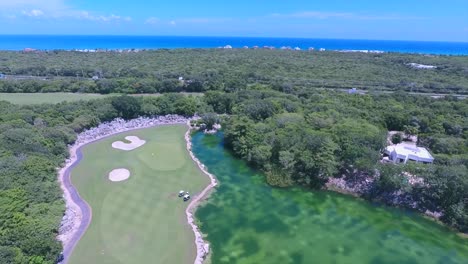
95, 77
352, 91
2, 76
402, 152
421, 66
27, 50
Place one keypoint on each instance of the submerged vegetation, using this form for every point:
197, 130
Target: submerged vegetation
309, 138
279, 114
247, 221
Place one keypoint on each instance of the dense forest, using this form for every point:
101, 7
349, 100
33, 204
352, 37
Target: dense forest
33, 143
296, 139
309, 138
228, 70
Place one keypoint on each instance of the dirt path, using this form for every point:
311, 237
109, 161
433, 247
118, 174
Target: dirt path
81, 210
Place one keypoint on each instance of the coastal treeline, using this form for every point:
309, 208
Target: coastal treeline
199, 70
309, 138
33, 144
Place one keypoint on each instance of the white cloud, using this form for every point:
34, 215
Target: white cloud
75, 14
202, 20
54, 9
33, 13
314, 14
22, 3
152, 21
185, 21
343, 15
43, 5
87, 16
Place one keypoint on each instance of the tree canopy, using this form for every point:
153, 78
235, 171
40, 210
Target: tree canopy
228, 70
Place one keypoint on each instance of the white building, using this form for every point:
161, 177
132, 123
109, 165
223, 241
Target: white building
421, 66
352, 91
401, 153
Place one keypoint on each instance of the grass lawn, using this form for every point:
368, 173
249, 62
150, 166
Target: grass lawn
54, 98
140, 220
50, 98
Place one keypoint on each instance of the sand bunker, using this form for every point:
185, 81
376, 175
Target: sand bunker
135, 142
119, 175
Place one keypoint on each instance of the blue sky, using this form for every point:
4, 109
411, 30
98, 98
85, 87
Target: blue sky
354, 19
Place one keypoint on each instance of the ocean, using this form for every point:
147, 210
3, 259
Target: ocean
69, 42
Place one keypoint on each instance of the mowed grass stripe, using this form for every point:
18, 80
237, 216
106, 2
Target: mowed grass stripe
47, 98
59, 97
140, 220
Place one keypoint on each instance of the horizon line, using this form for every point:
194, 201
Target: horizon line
215, 36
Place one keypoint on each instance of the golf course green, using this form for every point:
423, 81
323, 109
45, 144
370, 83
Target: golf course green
141, 219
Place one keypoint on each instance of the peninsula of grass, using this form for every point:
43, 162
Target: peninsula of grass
141, 219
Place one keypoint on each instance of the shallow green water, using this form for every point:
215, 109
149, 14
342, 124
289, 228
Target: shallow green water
248, 221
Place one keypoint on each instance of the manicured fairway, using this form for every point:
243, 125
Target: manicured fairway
54, 98
140, 220
49, 98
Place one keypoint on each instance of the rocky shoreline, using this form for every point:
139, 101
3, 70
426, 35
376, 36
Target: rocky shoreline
203, 247
363, 185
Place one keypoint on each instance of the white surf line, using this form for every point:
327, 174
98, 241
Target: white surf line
202, 246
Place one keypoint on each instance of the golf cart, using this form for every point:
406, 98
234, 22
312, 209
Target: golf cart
181, 193
186, 197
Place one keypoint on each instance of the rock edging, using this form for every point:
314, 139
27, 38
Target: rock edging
202, 246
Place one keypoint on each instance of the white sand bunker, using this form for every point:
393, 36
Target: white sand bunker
135, 142
119, 175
